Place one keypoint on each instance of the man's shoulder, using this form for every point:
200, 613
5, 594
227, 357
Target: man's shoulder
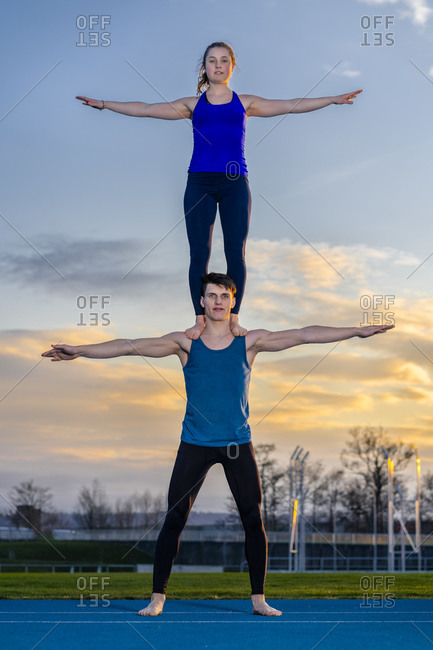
253, 336
181, 339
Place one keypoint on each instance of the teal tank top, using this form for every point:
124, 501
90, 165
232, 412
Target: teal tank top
217, 384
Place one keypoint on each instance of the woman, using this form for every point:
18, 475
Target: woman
217, 174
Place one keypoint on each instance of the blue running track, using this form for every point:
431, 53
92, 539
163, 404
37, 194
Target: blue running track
216, 624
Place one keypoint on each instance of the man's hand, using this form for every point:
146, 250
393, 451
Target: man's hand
60, 352
371, 330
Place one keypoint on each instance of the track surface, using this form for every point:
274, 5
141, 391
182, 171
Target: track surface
225, 624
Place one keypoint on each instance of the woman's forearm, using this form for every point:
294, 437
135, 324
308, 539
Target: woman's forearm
307, 104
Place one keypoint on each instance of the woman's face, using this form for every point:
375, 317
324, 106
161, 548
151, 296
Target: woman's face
218, 65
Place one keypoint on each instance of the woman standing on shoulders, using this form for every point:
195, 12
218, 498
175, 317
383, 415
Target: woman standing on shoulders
217, 175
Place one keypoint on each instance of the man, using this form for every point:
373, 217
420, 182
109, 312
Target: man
215, 429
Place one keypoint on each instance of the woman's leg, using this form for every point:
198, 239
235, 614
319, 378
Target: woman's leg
200, 211
235, 209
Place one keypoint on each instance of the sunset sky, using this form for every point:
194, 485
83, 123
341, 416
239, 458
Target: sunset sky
341, 230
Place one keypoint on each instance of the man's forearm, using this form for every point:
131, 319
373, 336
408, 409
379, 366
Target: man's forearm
106, 350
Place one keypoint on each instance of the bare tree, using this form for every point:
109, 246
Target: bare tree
32, 507
149, 508
271, 476
363, 456
124, 512
314, 474
93, 510
357, 506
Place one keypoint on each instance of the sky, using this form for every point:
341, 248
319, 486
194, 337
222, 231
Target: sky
93, 244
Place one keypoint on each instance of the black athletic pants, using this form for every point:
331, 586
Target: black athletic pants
190, 469
204, 191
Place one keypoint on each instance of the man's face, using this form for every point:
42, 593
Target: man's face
217, 302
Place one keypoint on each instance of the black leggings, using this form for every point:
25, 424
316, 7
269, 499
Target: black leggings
204, 190
190, 469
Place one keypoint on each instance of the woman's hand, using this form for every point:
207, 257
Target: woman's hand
345, 99
93, 103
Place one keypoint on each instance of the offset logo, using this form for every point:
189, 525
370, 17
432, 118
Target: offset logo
376, 31
92, 31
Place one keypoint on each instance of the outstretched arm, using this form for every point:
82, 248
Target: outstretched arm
260, 107
266, 341
162, 346
177, 110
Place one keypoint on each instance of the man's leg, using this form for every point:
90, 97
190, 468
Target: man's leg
189, 471
240, 468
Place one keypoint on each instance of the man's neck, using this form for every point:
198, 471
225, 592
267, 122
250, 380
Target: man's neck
217, 329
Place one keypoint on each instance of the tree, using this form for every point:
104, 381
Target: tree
149, 508
270, 477
313, 491
32, 507
124, 512
363, 456
273, 490
93, 510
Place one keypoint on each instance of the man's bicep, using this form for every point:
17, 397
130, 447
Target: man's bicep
162, 346
277, 341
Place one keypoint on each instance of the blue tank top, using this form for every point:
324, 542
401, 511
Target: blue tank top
217, 383
219, 137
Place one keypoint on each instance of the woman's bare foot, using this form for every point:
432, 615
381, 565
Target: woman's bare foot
236, 329
261, 607
196, 331
155, 606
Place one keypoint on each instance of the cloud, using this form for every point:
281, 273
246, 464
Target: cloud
66, 265
115, 418
344, 70
417, 11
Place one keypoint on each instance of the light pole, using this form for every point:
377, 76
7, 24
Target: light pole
390, 515
417, 508
390, 511
374, 528
293, 512
301, 513
402, 531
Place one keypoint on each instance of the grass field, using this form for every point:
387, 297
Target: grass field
215, 585
60, 552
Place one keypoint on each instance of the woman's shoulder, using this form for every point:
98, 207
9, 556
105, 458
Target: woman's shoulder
190, 102
246, 100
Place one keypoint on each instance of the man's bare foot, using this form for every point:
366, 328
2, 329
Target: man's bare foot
236, 329
196, 331
261, 607
155, 606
